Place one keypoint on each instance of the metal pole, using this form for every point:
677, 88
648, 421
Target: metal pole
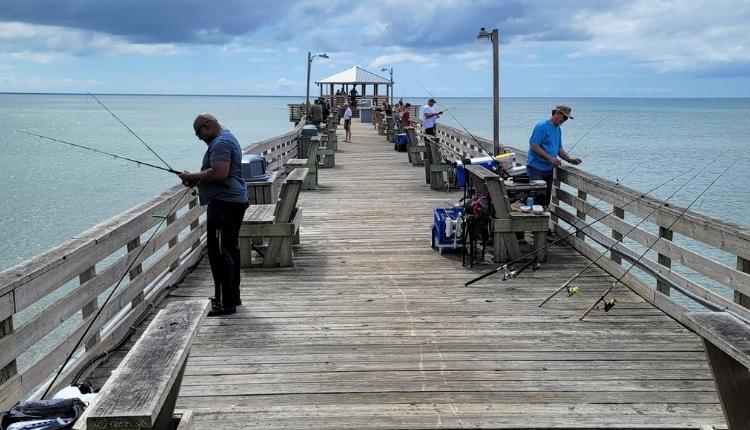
495, 93
307, 96
391, 86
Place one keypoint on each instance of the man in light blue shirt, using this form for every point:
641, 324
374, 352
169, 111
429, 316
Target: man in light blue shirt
545, 145
222, 188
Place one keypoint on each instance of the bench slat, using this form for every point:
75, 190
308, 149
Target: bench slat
259, 214
136, 393
298, 174
725, 331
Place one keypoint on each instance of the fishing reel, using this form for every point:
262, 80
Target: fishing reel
510, 273
609, 304
572, 290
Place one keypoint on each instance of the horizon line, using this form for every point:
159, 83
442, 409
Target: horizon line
401, 97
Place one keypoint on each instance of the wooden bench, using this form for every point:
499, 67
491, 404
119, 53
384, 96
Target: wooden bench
413, 147
279, 223
507, 223
727, 343
434, 166
310, 163
141, 393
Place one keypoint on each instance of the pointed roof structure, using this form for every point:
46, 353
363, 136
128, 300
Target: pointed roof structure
354, 75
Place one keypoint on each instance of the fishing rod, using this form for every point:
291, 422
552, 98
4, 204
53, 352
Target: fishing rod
131, 131
576, 230
567, 283
111, 293
459, 123
609, 304
170, 170
586, 134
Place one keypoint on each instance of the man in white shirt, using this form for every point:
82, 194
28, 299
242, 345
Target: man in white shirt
348, 123
429, 117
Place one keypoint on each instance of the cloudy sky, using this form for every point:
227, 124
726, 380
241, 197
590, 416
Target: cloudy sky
640, 48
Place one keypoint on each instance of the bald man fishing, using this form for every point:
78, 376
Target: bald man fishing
222, 188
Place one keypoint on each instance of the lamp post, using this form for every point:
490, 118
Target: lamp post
389, 70
494, 38
309, 63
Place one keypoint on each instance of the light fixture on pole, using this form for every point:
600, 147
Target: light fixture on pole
494, 38
309, 63
389, 70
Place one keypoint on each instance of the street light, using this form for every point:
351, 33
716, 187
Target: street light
309, 63
389, 70
494, 38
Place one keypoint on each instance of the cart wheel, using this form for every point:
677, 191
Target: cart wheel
432, 242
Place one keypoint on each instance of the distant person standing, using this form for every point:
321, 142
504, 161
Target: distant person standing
545, 145
222, 188
316, 113
348, 123
387, 109
406, 115
429, 117
353, 97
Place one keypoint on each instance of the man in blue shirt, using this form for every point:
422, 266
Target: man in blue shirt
222, 188
545, 145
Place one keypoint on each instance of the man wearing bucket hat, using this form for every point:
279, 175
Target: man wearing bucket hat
545, 146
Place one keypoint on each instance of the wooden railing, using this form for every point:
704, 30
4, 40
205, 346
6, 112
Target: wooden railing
62, 289
573, 195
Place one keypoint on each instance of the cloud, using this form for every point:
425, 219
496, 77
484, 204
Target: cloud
400, 57
670, 36
44, 44
145, 21
282, 84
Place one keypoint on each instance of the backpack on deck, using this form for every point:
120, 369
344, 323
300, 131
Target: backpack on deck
52, 414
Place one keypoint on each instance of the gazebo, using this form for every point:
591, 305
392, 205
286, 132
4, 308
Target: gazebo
358, 78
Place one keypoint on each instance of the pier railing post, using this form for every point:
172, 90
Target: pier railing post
744, 266
173, 242
11, 391
135, 271
614, 255
665, 261
91, 307
195, 224
581, 215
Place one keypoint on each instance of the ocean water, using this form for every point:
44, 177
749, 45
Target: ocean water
51, 191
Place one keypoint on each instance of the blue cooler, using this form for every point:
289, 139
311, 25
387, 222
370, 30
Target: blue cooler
486, 162
400, 143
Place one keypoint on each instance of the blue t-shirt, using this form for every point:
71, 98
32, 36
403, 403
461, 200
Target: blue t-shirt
549, 137
232, 189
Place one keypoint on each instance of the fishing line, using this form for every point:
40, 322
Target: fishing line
106, 301
170, 170
505, 266
459, 123
614, 284
131, 131
608, 249
586, 134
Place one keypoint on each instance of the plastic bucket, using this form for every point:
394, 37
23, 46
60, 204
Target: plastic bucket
506, 161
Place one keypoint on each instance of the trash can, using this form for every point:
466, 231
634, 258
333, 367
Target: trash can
365, 115
401, 141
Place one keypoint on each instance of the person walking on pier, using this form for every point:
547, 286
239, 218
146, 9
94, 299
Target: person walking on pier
348, 123
545, 145
429, 117
222, 188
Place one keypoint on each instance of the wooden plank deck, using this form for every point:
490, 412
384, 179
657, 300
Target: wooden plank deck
374, 329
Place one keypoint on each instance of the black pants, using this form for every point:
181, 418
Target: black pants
535, 175
223, 221
430, 131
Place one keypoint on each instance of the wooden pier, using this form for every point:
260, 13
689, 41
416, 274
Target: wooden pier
373, 329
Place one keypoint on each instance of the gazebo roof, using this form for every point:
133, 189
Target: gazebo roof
355, 75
